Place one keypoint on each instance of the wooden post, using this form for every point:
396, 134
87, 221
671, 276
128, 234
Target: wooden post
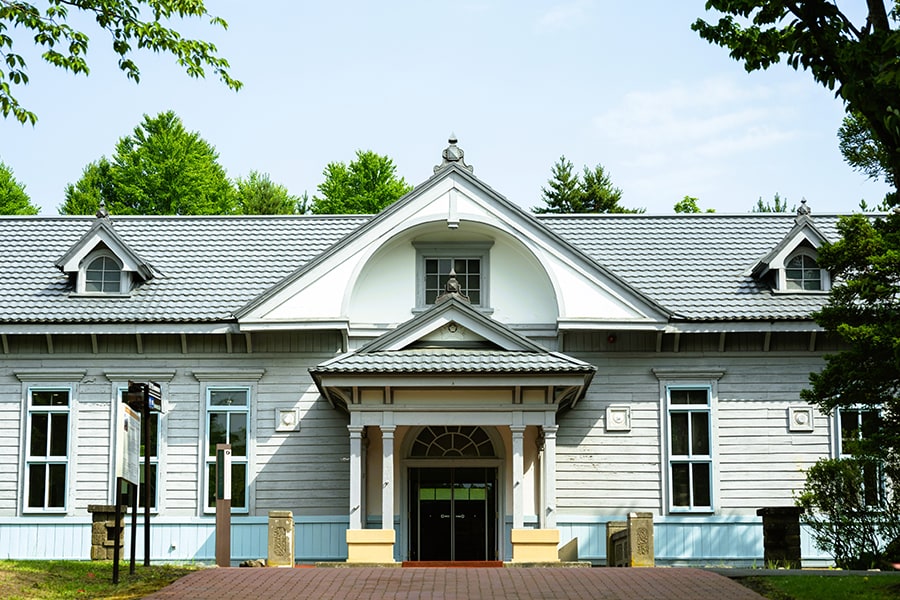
223, 505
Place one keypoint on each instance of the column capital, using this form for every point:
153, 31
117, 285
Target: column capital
387, 430
517, 429
550, 430
356, 431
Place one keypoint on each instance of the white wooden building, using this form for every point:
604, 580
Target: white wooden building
574, 369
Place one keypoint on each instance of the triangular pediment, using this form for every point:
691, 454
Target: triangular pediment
453, 207
102, 235
804, 232
452, 324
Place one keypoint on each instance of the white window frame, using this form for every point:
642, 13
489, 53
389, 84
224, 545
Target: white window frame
825, 276
124, 276
209, 460
66, 460
839, 437
690, 458
688, 379
456, 250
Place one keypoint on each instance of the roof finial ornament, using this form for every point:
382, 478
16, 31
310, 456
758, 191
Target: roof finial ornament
102, 213
452, 289
453, 154
803, 209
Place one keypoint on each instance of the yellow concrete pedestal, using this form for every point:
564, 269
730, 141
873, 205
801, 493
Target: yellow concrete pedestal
535, 545
370, 545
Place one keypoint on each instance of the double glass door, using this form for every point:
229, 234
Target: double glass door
453, 513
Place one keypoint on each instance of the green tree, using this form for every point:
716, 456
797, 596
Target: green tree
130, 24
160, 169
13, 199
599, 195
366, 186
690, 204
257, 194
592, 192
84, 196
847, 522
778, 205
862, 150
863, 310
563, 194
860, 61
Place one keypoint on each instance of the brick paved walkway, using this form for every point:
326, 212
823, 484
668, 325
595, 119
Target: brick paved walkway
456, 584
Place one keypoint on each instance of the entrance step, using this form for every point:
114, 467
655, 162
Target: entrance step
454, 564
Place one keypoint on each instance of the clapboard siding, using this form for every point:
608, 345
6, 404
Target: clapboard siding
759, 461
10, 443
304, 471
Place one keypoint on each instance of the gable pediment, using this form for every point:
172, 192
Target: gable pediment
368, 281
803, 234
103, 237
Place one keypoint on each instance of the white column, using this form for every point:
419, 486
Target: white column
548, 468
518, 473
387, 476
356, 492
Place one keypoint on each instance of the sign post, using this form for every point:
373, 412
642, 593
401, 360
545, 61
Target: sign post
145, 397
127, 461
223, 505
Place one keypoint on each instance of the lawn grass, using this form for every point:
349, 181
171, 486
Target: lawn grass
822, 587
41, 579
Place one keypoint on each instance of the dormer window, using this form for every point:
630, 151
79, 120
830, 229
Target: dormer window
802, 272
792, 266
103, 264
103, 275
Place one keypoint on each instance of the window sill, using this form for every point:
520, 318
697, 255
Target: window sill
100, 295
801, 292
703, 511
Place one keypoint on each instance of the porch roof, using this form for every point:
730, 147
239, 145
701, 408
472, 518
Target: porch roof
454, 360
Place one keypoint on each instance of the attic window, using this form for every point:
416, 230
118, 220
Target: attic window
468, 262
103, 275
803, 273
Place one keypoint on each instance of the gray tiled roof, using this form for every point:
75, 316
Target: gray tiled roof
440, 360
695, 265
210, 267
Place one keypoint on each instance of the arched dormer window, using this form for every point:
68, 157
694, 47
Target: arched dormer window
102, 273
802, 272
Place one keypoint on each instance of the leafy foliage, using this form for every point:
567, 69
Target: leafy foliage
862, 150
160, 169
592, 192
864, 311
259, 195
13, 199
131, 25
690, 204
366, 186
778, 205
844, 520
860, 62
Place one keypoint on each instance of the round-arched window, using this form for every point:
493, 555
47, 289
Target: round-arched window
803, 273
454, 441
103, 275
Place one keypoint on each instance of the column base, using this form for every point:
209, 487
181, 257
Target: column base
370, 545
535, 545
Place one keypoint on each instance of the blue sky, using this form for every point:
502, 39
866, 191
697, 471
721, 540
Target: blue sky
624, 84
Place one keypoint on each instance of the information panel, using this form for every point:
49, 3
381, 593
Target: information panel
128, 445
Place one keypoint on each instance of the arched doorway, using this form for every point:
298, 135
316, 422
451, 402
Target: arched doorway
453, 481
